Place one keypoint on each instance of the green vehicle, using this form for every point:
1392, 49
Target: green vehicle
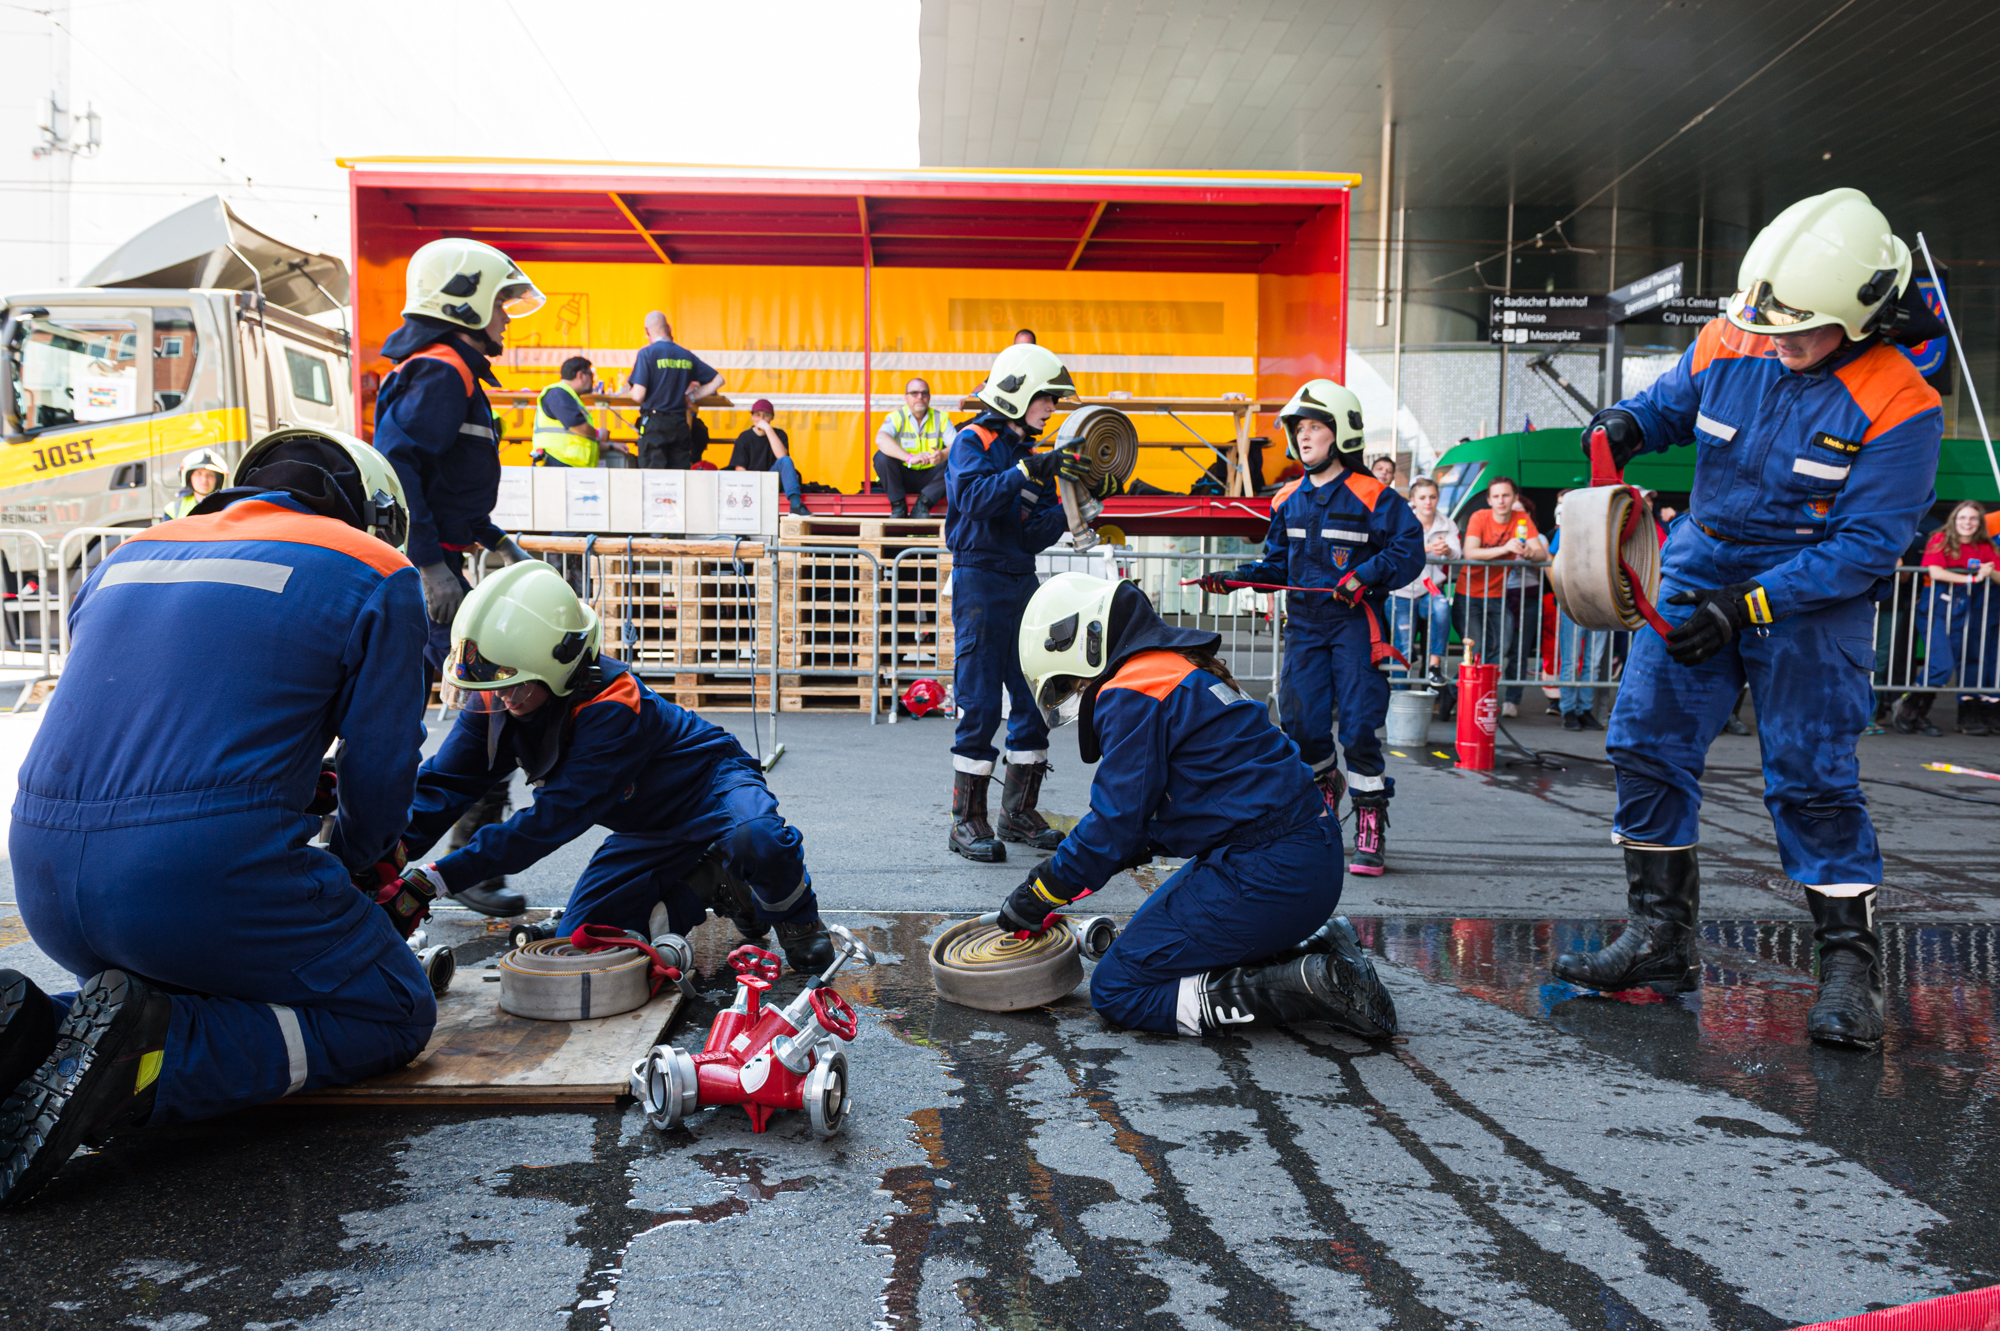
1545, 462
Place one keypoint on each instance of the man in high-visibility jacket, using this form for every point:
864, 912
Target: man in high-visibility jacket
564, 436
1816, 444
910, 450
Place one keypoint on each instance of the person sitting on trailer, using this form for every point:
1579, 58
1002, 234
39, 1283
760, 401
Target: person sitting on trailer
433, 422
910, 450
688, 809
1002, 510
203, 472
1188, 766
564, 435
230, 961
1352, 536
765, 447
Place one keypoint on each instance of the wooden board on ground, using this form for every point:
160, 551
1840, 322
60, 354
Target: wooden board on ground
479, 1055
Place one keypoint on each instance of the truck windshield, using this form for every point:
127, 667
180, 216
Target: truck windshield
78, 366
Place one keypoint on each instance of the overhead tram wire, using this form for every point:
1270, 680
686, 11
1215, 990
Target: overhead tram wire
1536, 239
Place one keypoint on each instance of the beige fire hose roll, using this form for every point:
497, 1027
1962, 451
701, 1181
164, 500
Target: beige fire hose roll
1597, 571
1106, 438
977, 964
552, 980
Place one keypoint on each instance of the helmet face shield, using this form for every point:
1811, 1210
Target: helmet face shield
466, 668
1759, 308
1061, 700
521, 300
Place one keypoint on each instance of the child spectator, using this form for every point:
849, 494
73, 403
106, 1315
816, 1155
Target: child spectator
1422, 599
765, 447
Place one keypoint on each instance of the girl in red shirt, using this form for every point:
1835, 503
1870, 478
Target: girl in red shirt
1962, 615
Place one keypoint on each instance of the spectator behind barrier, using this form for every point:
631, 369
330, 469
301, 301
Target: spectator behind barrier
1489, 603
1422, 600
765, 447
1961, 615
910, 451
1384, 470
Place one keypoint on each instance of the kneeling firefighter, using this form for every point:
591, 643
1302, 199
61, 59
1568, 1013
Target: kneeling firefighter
164, 825
689, 813
1816, 443
1189, 766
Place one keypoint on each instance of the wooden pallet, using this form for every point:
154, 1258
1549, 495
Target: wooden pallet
858, 531
480, 1055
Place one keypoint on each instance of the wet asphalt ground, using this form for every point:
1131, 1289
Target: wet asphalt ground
1528, 1156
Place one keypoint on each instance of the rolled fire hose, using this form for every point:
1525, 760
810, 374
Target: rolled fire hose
977, 964
553, 980
1607, 569
1105, 438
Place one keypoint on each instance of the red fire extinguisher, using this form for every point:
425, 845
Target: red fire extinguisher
1478, 713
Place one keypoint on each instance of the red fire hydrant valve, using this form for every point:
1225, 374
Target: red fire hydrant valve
763, 1058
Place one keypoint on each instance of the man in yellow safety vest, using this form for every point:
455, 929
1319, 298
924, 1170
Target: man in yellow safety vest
910, 449
564, 436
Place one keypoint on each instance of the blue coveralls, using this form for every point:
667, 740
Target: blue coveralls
1192, 764
159, 826
996, 522
668, 784
1810, 485
1320, 534
438, 430
1961, 626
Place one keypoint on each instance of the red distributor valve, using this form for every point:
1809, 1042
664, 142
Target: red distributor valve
752, 960
836, 1017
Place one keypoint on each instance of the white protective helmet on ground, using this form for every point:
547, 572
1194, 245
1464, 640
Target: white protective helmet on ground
460, 280
1335, 407
522, 623
1065, 639
1020, 374
205, 459
1829, 259
335, 474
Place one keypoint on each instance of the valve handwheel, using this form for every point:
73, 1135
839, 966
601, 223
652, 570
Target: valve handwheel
750, 960
835, 1016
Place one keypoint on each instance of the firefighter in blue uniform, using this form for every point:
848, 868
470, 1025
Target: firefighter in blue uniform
1341, 529
162, 833
1816, 443
1002, 510
1188, 766
692, 822
434, 424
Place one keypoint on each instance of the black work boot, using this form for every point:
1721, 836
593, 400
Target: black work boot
28, 1022
1973, 718
1913, 715
971, 835
1849, 1010
922, 510
1371, 832
1331, 786
808, 946
898, 508
1019, 820
1339, 988
492, 897
1658, 949
1319, 942
100, 1079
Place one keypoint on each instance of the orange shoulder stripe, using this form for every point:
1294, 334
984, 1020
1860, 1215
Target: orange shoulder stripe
986, 436
624, 690
449, 355
1278, 499
1152, 673
1365, 488
256, 520
1886, 386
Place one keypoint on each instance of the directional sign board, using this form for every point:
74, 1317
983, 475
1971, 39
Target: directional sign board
1546, 318
1688, 311
1647, 293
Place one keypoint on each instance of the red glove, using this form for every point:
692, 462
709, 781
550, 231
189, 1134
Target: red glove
1216, 584
408, 899
383, 872
324, 801
1350, 589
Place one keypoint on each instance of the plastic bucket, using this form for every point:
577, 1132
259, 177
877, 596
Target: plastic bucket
1409, 720
1478, 713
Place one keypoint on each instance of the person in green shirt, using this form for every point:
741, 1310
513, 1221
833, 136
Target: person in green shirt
910, 449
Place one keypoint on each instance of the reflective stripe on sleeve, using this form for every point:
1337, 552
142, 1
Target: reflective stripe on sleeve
1299, 532
255, 573
476, 431
295, 1045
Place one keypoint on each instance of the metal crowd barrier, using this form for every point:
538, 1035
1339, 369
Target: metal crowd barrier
31, 602
79, 553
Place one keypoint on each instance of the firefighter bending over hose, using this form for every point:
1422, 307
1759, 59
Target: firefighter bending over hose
1189, 766
692, 822
1816, 442
163, 830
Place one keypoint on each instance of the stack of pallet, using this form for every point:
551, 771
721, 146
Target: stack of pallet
849, 630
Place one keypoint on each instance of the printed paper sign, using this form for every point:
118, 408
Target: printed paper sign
664, 500
586, 503
106, 397
740, 505
514, 510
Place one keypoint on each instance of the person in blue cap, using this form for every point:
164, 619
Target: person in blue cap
1816, 443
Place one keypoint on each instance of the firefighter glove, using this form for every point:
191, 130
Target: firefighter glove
1719, 615
442, 591
1621, 431
1031, 908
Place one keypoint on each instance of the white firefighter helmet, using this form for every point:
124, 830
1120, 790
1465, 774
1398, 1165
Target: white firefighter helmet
1332, 405
314, 463
460, 280
205, 459
1829, 259
521, 624
1020, 374
1065, 639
